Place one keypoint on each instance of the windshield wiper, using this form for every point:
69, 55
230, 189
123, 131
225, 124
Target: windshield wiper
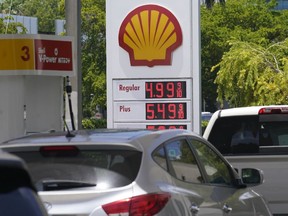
50, 185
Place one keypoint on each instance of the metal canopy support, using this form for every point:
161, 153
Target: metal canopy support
73, 28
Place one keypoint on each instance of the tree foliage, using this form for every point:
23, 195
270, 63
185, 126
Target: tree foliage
47, 11
93, 31
251, 74
253, 21
7, 23
8, 26
209, 3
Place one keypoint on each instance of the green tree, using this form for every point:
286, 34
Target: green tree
47, 11
210, 3
8, 26
251, 74
245, 20
93, 31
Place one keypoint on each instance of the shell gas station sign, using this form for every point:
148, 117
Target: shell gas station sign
150, 34
36, 55
149, 64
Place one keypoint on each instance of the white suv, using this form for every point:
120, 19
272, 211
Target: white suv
256, 137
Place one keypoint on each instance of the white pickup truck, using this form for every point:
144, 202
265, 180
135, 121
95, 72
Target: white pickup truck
256, 137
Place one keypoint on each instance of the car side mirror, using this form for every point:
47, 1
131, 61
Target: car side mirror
252, 177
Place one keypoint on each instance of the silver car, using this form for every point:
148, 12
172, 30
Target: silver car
136, 172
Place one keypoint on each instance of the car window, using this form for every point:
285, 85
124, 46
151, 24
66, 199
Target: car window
274, 133
216, 169
234, 135
249, 134
182, 161
100, 169
160, 157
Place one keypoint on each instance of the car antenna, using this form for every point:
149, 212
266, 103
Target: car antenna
69, 134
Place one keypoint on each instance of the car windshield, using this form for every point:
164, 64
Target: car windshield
102, 169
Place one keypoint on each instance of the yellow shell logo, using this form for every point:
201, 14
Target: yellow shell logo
150, 34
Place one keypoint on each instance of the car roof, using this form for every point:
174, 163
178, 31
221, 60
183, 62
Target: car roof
240, 111
133, 137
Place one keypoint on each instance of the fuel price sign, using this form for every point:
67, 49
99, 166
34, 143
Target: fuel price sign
166, 111
152, 103
165, 89
152, 89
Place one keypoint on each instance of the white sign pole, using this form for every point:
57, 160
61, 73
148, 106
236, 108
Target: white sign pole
196, 71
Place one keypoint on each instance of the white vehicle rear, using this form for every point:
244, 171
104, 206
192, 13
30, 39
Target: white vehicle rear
256, 137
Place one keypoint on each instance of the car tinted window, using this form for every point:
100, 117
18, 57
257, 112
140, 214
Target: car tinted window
182, 161
216, 169
102, 169
233, 135
274, 133
250, 134
160, 158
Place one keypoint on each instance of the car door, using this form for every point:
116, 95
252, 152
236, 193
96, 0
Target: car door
219, 177
198, 197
